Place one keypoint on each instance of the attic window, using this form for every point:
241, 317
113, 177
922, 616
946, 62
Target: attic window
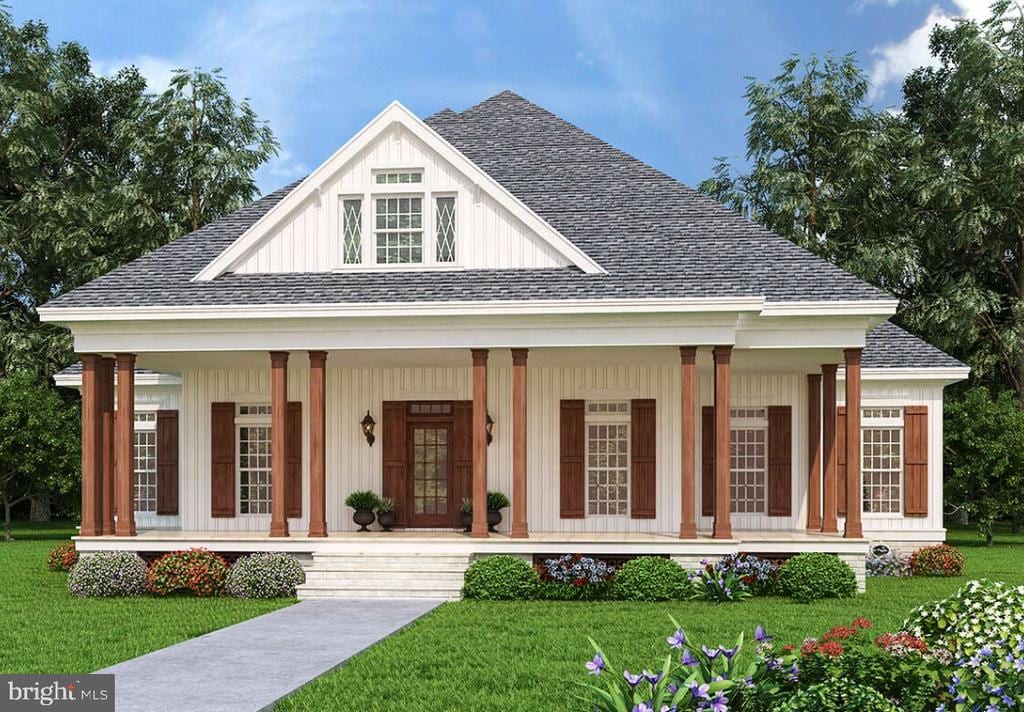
398, 230
399, 177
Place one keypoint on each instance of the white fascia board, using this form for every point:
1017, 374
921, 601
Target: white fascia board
868, 308
74, 380
552, 307
945, 374
394, 112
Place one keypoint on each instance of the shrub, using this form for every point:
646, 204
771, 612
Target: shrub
838, 694
199, 572
500, 578
362, 500
889, 563
650, 578
108, 573
937, 560
990, 679
264, 575
976, 614
386, 505
810, 576
712, 584
756, 574
62, 557
575, 577
496, 501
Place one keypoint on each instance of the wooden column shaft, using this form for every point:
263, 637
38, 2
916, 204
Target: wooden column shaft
317, 443
814, 451
829, 493
479, 528
688, 444
853, 529
124, 437
723, 512
520, 527
92, 428
278, 441
107, 438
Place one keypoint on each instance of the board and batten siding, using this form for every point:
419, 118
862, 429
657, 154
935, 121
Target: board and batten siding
310, 238
352, 464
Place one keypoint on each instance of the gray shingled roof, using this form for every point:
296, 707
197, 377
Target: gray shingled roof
889, 346
655, 236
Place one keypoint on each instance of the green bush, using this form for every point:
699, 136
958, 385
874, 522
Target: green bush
838, 694
975, 615
651, 578
199, 572
938, 560
108, 573
362, 500
810, 576
496, 501
500, 578
264, 575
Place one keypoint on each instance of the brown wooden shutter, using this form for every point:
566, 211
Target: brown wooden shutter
167, 462
841, 459
643, 464
572, 438
293, 466
915, 460
462, 453
394, 455
707, 461
222, 451
780, 461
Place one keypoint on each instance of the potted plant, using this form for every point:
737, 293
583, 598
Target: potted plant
496, 501
466, 513
386, 513
364, 502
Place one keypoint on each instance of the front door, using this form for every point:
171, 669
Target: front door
431, 495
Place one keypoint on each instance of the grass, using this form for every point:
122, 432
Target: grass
46, 630
528, 656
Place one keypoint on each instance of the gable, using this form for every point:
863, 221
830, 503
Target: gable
397, 197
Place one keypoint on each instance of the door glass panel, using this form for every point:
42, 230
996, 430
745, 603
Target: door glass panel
430, 470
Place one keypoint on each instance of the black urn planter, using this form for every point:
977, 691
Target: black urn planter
364, 518
466, 518
386, 520
493, 520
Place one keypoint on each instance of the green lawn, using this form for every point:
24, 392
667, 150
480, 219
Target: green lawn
44, 629
526, 656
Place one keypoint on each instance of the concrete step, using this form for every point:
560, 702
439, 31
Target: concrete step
386, 579
395, 566
306, 592
377, 559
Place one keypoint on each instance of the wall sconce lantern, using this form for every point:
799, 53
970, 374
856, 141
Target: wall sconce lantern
367, 424
489, 427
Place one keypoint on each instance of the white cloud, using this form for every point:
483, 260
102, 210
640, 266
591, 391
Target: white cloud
156, 70
895, 61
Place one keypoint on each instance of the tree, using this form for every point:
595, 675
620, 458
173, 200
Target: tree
966, 116
39, 442
984, 457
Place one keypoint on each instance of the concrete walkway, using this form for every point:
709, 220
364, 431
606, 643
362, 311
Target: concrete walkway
247, 667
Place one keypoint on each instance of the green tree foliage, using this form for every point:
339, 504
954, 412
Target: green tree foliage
39, 442
94, 172
984, 456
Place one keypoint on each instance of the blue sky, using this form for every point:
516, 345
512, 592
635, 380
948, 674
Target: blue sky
661, 80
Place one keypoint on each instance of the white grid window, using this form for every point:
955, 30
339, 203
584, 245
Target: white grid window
145, 468
398, 230
444, 217
253, 423
748, 460
607, 458
396, 177
352, 230
882, 459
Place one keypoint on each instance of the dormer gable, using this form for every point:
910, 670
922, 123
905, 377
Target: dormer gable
397, 196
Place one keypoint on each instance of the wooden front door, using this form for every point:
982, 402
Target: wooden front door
431, 492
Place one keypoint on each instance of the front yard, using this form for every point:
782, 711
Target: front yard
45, 629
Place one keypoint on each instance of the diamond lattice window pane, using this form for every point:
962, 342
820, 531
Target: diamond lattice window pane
353, 231
446, 229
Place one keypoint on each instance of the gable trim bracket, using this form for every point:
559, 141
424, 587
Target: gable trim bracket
394, 113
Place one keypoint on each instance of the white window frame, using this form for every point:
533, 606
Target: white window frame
342, 237
425, 242
745, 418
252, 420
145, 426
882, 417
618, 417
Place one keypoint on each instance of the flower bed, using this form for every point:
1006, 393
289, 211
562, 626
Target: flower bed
199, 572
938, 560
264, 575
62, 557
575, 577
108, 573
888, 563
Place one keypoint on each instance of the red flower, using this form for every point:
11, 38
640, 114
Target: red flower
810, 647
580, 581
840, 632
861, 622
788, 648
831, 648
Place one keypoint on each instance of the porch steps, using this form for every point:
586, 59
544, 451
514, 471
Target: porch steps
365, 575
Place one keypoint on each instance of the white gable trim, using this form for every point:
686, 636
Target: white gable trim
314, 182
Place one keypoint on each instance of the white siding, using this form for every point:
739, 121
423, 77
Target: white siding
310, 238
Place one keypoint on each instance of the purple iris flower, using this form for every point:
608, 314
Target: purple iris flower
794, 673
699, 692
1018, 664
652, 678
595, 666
719, 703
642, 707
666, 708
677, 640
760, 635
729, 653
688, 660
985, 652
672, 688
712, 653
632, 679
